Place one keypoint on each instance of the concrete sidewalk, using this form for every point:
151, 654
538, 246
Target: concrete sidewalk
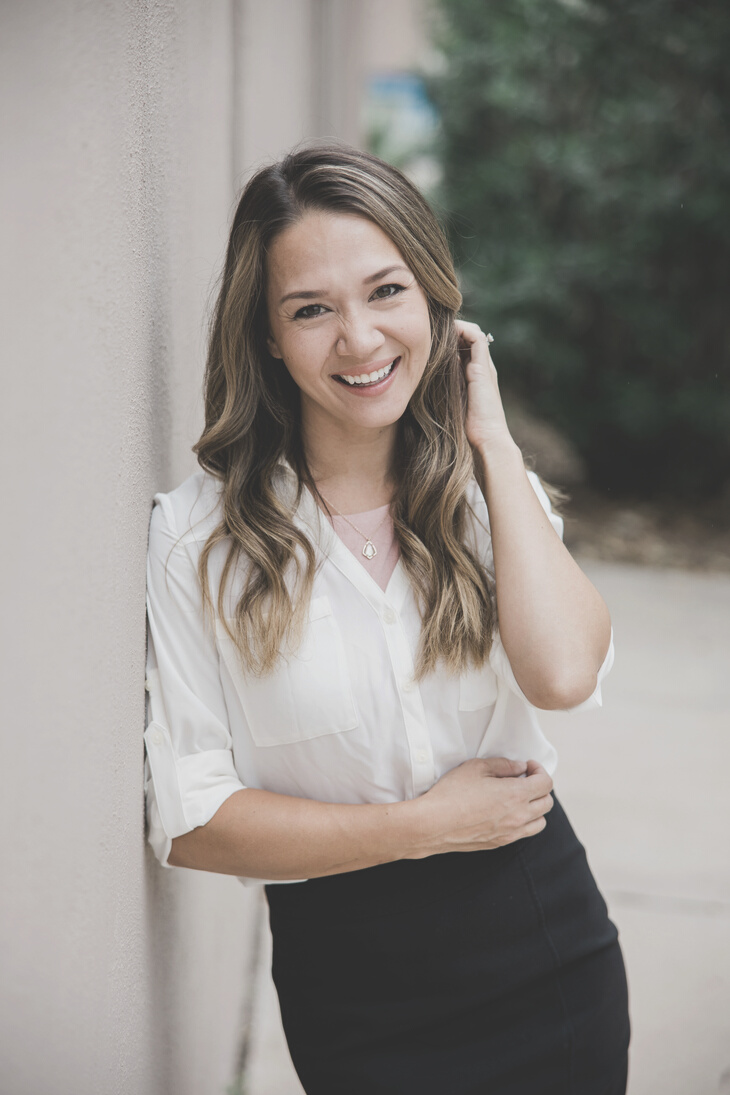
643, 781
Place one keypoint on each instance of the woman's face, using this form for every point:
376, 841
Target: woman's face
349, 320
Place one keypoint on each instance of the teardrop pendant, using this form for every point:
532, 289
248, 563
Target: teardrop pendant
370, 550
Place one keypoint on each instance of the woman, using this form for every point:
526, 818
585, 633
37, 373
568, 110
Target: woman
335, 711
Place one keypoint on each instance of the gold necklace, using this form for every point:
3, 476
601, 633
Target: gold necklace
369, 549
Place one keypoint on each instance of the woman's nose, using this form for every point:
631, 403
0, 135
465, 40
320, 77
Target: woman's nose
359, 337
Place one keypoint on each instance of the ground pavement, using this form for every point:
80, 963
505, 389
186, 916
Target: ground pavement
645, 782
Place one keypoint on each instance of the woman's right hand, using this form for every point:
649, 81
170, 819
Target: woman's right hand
483, 803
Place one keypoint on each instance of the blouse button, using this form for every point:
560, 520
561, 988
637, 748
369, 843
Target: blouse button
389, 616
157, 738
407, 685
421, 756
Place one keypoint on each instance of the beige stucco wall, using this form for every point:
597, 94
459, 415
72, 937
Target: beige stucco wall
116, 190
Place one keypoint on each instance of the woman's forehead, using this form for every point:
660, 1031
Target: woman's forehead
322, 245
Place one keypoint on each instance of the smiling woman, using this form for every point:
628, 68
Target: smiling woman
355, 609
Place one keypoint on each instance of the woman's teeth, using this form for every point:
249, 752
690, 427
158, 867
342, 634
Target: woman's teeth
369, 378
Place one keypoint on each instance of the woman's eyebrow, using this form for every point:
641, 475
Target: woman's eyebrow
312, 294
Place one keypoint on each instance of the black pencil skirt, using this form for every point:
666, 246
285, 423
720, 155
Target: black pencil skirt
468, 973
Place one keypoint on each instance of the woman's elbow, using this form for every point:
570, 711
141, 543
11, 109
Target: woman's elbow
561, 691
194, 850
181, 853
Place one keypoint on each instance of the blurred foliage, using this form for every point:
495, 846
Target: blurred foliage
586, 157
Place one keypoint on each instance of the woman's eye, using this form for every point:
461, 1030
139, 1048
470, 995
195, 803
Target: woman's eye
309, 311
383, 292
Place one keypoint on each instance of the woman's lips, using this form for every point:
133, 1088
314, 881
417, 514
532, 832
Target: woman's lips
374, 387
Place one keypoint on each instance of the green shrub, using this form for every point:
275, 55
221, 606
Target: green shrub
586, 157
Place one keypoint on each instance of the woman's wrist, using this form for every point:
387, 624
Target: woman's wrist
500, 454
383, 832
421, 828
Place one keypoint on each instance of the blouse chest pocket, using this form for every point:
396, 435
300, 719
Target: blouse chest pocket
477, 688
308, 695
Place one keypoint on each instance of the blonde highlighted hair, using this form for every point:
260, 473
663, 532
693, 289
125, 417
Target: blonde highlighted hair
252, 421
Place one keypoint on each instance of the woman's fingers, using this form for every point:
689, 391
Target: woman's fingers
501, 767
470, 332
473, 340
537, 782
535, 827
541, 806
530, 828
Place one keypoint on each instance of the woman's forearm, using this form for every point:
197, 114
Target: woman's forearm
482, 803
261, 834
554, 624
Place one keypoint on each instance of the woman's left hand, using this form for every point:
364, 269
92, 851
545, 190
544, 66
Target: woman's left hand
486, 425
553, 623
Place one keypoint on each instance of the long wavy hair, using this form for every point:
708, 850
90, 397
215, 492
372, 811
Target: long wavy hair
252, 421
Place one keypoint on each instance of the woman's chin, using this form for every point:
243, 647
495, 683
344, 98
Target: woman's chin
351, 414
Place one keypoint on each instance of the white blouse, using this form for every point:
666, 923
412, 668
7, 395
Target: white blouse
340, 721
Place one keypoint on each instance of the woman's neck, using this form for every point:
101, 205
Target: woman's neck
353, 474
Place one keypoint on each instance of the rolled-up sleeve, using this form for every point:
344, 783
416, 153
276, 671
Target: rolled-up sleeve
189, 766
498, 655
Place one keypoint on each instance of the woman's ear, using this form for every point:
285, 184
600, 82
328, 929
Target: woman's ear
273, 348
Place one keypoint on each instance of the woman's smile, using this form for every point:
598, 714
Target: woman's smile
373, 378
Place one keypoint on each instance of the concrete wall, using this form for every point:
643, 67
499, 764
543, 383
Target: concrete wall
126, 129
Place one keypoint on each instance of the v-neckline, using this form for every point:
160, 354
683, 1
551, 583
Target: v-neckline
313, 520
